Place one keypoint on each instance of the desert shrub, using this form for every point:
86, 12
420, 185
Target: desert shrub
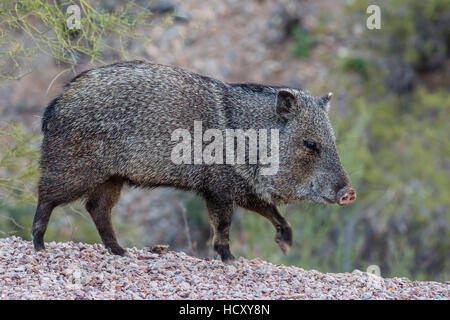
414, 38
42, 26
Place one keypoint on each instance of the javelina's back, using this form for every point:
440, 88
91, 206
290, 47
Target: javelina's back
117, 120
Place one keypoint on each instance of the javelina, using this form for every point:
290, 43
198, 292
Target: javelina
113, 126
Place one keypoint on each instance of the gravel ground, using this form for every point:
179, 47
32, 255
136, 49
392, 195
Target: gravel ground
81, 271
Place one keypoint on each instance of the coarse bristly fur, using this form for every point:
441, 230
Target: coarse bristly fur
112, 125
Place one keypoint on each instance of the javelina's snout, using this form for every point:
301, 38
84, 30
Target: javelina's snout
346, 196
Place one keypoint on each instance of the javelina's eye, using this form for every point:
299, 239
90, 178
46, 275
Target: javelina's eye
310, 145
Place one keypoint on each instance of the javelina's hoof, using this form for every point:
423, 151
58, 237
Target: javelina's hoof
224, 253
117, 250
38, 244
284, 238
39, 247
228, 260
225, 258
284, 247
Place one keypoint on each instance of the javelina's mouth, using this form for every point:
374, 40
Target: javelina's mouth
328, 200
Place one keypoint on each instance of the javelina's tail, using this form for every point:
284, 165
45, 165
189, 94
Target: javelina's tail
48, 115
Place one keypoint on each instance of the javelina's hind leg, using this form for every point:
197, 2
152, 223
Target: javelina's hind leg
40, 222
220, 214
99, 204
283, 235
54, 190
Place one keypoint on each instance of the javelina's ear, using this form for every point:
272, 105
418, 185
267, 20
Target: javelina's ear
324, 101
286, 104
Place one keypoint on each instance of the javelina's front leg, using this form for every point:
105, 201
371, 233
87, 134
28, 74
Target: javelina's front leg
283, 236
220, 213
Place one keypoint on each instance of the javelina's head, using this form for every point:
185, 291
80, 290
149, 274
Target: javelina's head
310, 167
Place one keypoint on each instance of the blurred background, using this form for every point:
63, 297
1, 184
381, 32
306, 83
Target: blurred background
391, 113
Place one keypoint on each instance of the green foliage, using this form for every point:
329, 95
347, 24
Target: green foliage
18, 159
414, 32
303, 43
44, 23
357, 65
